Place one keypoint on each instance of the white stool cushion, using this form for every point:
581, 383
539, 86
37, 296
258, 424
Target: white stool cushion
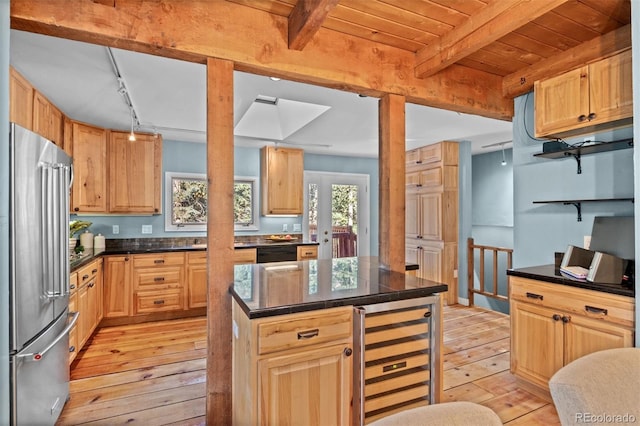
459, 413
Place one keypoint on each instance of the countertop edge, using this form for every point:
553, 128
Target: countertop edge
548, 273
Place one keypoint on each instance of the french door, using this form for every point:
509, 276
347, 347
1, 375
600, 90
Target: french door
336, 213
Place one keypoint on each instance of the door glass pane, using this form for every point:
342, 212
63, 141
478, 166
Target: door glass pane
344, 220
313, 212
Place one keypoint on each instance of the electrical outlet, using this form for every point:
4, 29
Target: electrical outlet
115, 229
297, 227
147, 229
285, 227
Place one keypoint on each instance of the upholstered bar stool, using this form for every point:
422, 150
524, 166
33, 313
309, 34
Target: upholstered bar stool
602, 388
459, 413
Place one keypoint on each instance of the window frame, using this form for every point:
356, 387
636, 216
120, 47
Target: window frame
254, 225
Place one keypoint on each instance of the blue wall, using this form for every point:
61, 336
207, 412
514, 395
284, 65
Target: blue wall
493, 217
542, 229
191, 157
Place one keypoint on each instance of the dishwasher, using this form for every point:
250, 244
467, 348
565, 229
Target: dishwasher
397, 356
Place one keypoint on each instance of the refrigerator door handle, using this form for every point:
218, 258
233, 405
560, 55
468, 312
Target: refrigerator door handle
39, 355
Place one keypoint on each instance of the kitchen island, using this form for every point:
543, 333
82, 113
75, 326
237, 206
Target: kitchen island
333, 341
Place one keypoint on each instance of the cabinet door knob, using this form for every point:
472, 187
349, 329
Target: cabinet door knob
556, 317
592, 116
348, 351
566, 319
582, 118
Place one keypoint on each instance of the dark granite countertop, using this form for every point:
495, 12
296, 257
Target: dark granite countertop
270, 289
551, 274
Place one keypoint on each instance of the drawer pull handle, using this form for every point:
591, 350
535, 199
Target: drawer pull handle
394, 366
93, 271
84, 277
427, 314
72, 348
91, 284
158, 261
158, 302
303, 335
158, 279
535, 296
595, 310
72, 286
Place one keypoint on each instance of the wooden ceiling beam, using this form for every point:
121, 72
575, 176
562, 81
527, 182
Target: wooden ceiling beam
498, 19
305, 20
256, 41
521, 81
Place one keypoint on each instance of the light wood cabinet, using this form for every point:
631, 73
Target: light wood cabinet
307, 252
552, 325
158, 282
117, 286
197, 279
282, 172
20, 100
431, 213
47, 119
585, 99
245, 255
293, 369
73, 308
135, 172
89, 300
89, 169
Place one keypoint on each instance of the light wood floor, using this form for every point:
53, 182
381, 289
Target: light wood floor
154, 374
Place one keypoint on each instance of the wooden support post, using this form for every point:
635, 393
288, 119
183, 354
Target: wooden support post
219, 239
392, 181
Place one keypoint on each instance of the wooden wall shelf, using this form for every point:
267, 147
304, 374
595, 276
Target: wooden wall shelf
578, 203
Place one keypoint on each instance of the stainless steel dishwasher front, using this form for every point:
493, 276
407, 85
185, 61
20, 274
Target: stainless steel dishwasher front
397, 356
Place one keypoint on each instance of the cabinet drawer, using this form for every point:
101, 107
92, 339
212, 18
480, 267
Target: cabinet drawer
169, 277
589, 303
73, 283
158, 301
197, 258
431, 177
245, 255
89, 272
307, 252
159, 259
300, 330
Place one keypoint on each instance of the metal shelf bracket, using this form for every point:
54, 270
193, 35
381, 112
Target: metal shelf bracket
578, 206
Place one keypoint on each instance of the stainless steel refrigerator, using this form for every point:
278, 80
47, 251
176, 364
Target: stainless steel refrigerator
40, 321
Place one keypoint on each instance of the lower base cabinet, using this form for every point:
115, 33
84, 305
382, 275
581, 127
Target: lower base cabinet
552, 325
293, 369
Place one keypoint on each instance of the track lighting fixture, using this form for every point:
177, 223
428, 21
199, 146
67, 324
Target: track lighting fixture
132, 136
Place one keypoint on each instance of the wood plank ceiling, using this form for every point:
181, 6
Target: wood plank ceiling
506, 38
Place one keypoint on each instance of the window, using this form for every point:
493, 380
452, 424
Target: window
186, 202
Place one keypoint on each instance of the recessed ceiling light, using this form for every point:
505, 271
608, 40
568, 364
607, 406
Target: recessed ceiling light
274, 78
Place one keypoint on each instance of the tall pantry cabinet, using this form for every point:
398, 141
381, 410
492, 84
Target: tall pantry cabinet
431, 208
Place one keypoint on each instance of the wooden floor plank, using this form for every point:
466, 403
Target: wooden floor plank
155, 373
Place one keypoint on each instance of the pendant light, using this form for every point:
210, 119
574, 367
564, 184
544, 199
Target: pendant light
504, 160
132, 137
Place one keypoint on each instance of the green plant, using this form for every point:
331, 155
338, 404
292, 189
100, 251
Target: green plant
77, 226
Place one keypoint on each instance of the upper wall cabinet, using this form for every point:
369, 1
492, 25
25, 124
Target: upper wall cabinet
282, 176
21, 100
47, 119
134, 184
588, 99
89, 189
